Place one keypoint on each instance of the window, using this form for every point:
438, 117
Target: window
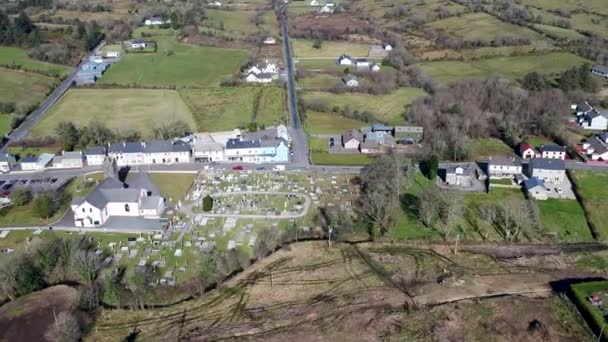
83, 210
127, 208
90, 210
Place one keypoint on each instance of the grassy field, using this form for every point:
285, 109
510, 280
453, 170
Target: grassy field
303, 48
512, 67
19, 57
125, 109
559, 32
330, 123
598, 6
592, 23
237, 23
319, 82
582, 291
220, 109
484, 26
5, 124
173, 186
175, 64
593, 188
408, 226
389, 108
486, 147
25, 89
538, 141
565, 218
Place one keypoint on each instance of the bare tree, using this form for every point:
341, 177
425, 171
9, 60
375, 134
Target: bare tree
65, 328
429, 205
451, 212
8, 274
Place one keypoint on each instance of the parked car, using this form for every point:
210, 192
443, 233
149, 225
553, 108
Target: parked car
260, 168
238, 168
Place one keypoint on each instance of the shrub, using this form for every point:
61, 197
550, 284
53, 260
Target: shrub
207, 203
21, 197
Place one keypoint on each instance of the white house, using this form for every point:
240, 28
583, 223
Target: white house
314, 3
600, 70
7, 162
138, 43
166, 152
96, 59
535, 188
273, 150
327, 8
527, 151
156, 21
552, 151
350, 81
548, 170
362, 63
261, 68
375, 67
283, 133
371, 147
29, 163
270, 41
595, 149
71, 160
352, 139
95, 155
345, 60
214, 4
207, 150
131, 153
259, 78
111, 199
594, 120
461, 174
112, 54
387, 47
504, 167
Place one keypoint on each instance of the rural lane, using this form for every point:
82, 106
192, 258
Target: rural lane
21, 132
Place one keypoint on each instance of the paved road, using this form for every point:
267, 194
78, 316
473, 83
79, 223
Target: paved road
299, 139
21, 132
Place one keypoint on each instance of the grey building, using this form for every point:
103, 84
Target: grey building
548, 170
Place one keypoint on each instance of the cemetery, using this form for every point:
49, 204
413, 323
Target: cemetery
243, 205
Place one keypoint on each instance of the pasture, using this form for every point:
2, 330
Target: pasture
24, 89
565, 219
303, 48
592, 187
123, 109
330, 123
389, 108
511, 67
175, 64
319, 82
221, 109
12, 56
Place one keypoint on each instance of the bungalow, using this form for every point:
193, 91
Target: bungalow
112, 198
95, 155
381, 137
582, 108
262, 77
387, 47
32, 163
552, 151
127, 153
7, 162
352, 139
527, 151
270, 41
71, 160
600, 70
548, 170
156, 21
345, 60
408, 134
375, 67
266, 67
535, 188
166, 152
370, 147
112, 54
350, 81
138, 43
362, 63
504, 167
595, 120
461, 174
595, 149
327, 8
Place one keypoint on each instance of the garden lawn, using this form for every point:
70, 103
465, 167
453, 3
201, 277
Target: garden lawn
388, 108
511, 67
319, 82
487, 147
408, 226
221, 109
303, 48
592, 187
19, 57
330, 123
581, 292
173, 186
124, 109
175, 64
537, 141
565, 218
25, 89
5, 124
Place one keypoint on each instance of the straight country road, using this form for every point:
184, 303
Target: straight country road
21, 132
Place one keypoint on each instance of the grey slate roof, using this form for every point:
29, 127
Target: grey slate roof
162, 146
583, 107
236, 143
4, 157
352, 134
596, 144
533, 182
29, 159
95, 150
552, 148
130, 147
72, 155
594, 114
409, 129
601, 68
505, 161
381, 127
150, 202
348, 77
547, 164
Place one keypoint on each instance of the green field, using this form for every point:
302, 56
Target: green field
5, 124
592, 23
221, 109
487, 147
302, 48
175, 64
25, 89
238, 23
512, 67
565, 218
123, 109
593, 189
484, 26
560, 32
581, 292
330, 123
19, 57
173, 186
598, 6
319, 82
389, 108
